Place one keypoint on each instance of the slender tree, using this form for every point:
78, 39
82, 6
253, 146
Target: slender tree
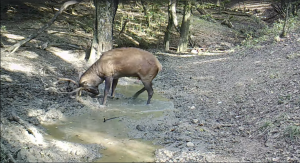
185, 26
145, 10
284, 33
171, 22
173, 13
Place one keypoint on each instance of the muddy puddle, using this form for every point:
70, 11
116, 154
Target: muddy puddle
107, 127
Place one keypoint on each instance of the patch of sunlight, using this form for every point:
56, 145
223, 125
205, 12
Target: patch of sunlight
125, 149
31, 55
213, 53
6, 78
19, 67
44, 118
35, 112
204, 77
43, 9
66, 55
54, 32
13, 36
211, 60
75, 149
37, 138
177, 55
67, 146
152, 38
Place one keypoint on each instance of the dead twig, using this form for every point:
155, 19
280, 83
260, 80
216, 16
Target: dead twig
109, 119
16, 46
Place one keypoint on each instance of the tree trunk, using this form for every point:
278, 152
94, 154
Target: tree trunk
282, 2
173, 12
219, 6
145, 10
169, 27
103, 32
284, 33
185, 26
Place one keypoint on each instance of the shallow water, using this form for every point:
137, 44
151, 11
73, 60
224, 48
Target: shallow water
112, 134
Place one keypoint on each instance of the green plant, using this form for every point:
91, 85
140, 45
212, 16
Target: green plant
266, 125
292, 132
3, 28
283, 98
273, 75
207, 17
225, 2
292, 23
254, 36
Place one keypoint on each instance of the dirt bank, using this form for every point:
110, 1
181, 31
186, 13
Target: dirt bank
237, 106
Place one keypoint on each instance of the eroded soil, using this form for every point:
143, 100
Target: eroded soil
242, 104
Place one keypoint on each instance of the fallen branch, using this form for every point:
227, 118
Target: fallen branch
16, 46
236, 13
131, 39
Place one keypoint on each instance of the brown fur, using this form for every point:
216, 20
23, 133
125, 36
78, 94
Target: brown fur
121, 62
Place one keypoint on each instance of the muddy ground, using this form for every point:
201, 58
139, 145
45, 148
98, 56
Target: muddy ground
240, 104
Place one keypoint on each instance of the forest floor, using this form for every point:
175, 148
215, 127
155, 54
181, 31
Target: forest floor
234, 101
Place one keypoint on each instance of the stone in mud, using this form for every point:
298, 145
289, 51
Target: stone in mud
195, 121
140, 127
190, 144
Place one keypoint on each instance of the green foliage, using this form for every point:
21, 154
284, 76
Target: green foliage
273, 75
206, 5
292, 132
207, 17
253, 37
266, 125
225, 2
291, 24
293, 55
283, 99
3, 28
88, 27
